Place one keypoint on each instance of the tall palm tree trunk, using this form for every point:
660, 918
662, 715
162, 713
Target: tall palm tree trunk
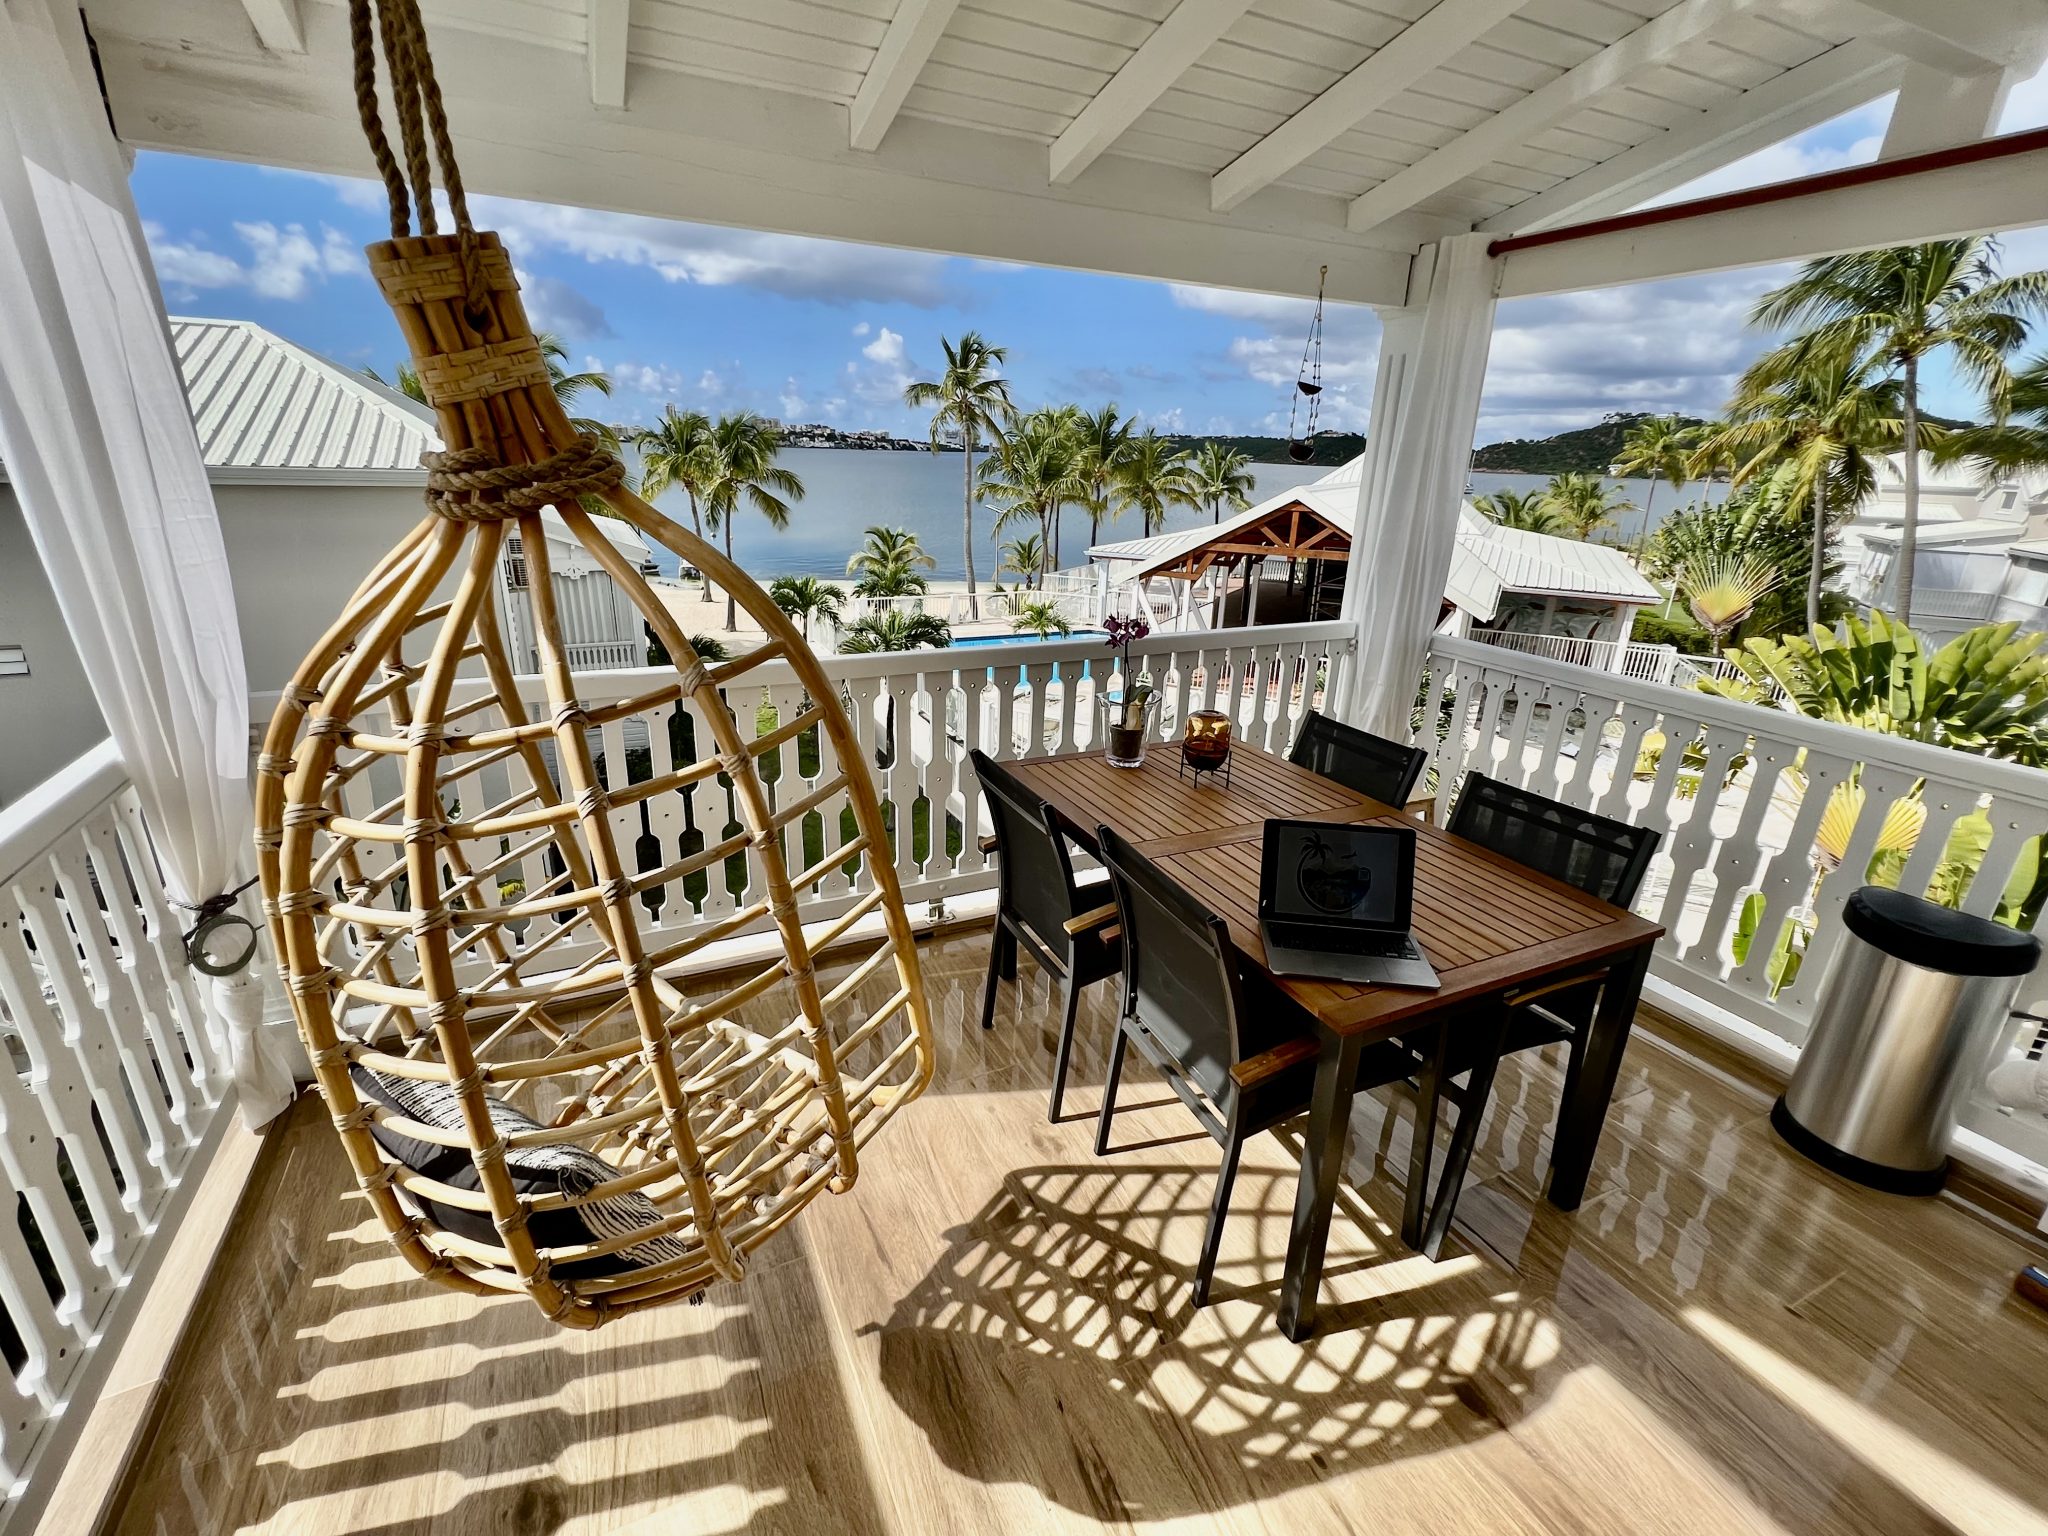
730, 616
967, 523
1643, 528
1909, 530
697, 527
1820, 549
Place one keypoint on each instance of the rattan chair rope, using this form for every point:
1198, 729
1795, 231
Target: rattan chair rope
452, 906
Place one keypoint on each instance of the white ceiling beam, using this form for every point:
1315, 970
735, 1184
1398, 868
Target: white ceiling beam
1981, 197
190, 76
1650, 44
914, 31
1803, 97
1961, 36
1186, 34
608, 22
277, 23
1430, 40
1937, 109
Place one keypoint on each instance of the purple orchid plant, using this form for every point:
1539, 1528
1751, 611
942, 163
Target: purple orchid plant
1121, 634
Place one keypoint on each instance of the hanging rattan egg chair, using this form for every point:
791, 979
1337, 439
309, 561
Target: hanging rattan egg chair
459, 912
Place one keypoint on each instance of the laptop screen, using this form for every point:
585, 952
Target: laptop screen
1321, 872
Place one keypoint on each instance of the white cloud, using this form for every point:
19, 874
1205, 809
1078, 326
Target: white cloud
885, 348
829, 271
887, 370
710, 385
561, 308
657, 379
791, 400
284, 262
862, 329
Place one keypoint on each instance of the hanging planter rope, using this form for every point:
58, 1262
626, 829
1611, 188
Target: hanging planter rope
1308, 384
527, 1103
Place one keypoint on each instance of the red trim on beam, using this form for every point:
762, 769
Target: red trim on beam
1785, 191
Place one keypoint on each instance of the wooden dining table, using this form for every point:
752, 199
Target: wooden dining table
1490, 926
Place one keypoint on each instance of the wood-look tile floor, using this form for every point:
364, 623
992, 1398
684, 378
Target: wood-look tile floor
991, 1333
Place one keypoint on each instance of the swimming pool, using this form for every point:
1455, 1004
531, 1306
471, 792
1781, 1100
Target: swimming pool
963, 642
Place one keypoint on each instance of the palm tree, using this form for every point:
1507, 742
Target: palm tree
743, 471
1220, 476
1585, 502
1529, 511
968, 399
802, 596
895, 631
1659, 448
1105, 446
2008, 447
1721, 589
676, 451
1154, 479
1042, 619
890, 563
1904, 304
1821, 415
1023, 557
1033, 470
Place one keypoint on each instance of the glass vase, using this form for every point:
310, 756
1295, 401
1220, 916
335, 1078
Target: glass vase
1127, 725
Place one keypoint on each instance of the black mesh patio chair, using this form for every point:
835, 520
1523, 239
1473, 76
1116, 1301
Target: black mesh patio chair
1068, 927
1380, 769
1606, 859
1230, 1043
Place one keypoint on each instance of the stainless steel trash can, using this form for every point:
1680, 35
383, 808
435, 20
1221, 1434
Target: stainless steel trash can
1911, 1010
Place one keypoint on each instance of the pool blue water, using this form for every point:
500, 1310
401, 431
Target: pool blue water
969, 640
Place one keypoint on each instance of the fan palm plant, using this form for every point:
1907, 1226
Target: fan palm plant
1220, 477
1584, 502
1722, 588
805, 597
1526, 510
743, 472
1903, 305
1041, 618
895, 631
1659, 449
1153, 479
890, 563
675, 452
1819, 416
968, 400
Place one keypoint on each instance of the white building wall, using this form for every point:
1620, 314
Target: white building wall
296, 553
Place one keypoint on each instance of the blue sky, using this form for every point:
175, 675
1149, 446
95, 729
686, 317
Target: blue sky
814, 330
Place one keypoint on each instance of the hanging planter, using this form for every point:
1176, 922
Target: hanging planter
1308, 385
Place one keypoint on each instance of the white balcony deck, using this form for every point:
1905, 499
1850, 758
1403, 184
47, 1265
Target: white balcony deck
322, 1393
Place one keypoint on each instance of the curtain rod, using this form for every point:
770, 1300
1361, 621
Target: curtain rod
1978, 150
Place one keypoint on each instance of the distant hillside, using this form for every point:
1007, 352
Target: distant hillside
1590, 449
1330, 447
1585, 448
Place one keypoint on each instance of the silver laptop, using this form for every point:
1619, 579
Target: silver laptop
1335, 902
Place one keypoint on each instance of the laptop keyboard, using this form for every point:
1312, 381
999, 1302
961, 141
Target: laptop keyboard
1378, 946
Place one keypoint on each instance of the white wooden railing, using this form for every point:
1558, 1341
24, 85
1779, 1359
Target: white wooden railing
1743, 876
1639, 659
112, 1086
917, 714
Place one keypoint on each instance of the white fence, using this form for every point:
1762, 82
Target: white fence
112, 1084
1632, 658
1768, 821
917, 714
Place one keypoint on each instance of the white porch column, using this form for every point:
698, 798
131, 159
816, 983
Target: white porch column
1425, 408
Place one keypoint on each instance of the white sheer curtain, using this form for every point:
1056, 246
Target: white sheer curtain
100, 449
1425, 408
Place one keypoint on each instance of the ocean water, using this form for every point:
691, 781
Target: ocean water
846, 492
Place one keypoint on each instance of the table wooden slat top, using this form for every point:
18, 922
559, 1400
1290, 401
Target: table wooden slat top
1485, 922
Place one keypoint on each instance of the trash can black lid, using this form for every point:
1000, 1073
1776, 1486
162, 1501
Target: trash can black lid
1937, 938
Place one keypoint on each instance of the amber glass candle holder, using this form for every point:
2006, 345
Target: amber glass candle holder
1205, 746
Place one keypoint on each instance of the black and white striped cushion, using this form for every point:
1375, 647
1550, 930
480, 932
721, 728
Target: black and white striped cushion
567, 1169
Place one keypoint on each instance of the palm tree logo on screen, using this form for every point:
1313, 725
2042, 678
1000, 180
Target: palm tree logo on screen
1331, 879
